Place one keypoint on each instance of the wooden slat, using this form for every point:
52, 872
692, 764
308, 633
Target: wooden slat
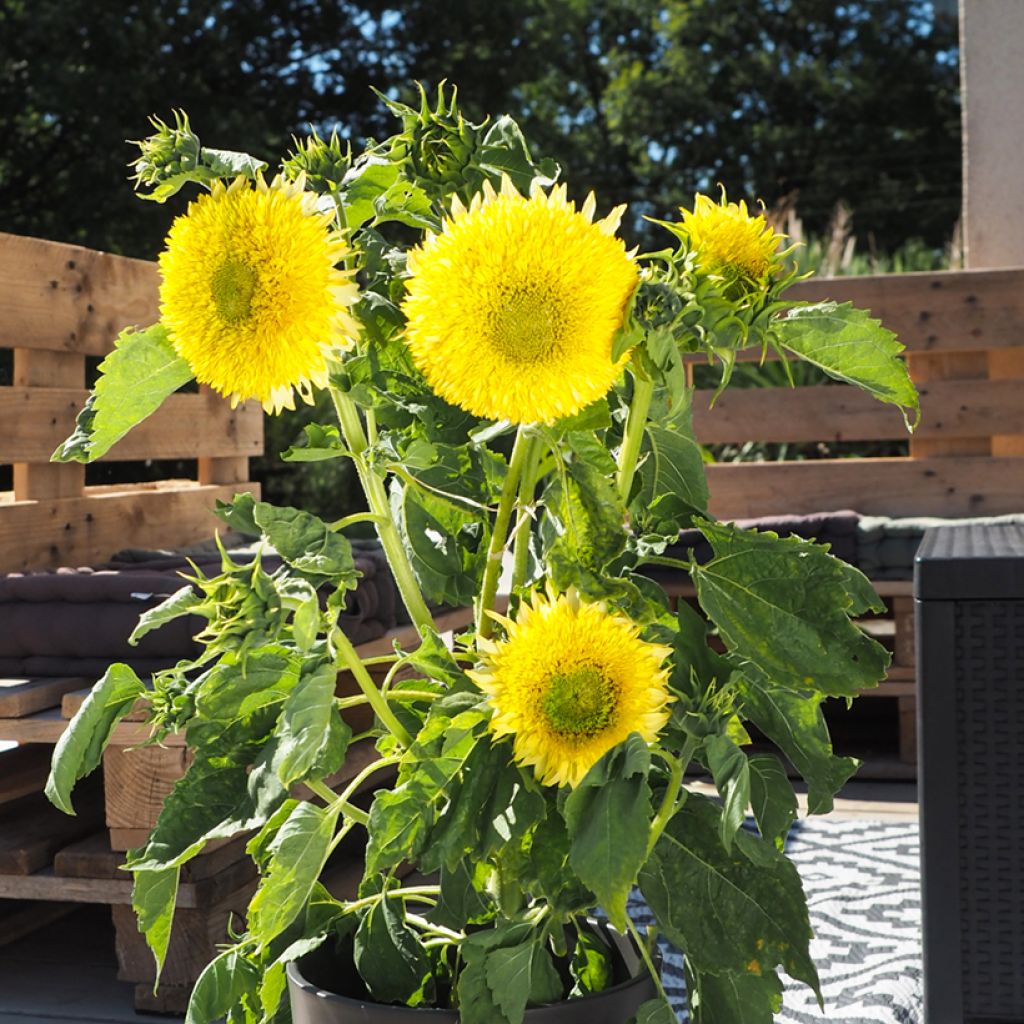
33, 421
23, 772
963, 310
32, 830
19, 918
48, 727
87, 530
66, 298
20, 697
951, 486
949, 409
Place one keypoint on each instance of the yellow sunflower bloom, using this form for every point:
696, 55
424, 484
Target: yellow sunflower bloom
251, 294
513, 306
727, 239
570, 681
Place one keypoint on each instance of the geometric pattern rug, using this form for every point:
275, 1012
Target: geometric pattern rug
862, 880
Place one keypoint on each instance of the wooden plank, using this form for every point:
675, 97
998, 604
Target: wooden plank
949, 409
908, 729
23, 772
960, 310
32, 830
67, 298
137, 781
1008, 364
904, 642
79, 531
19, 918
48, 727
954, 486
20, 697
34, 420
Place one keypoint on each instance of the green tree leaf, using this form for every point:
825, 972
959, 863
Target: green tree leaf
388, 954
297, 856
153, 897
771, 798
785, 605
590, 964
731, 772
608, 816
795, 724
850, 345
80, 748
733, 997
134, 380
726, 912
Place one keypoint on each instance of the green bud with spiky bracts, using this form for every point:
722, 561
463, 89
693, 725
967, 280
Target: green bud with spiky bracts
325, 162
167, 153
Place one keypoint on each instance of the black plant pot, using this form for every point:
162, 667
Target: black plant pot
311, 979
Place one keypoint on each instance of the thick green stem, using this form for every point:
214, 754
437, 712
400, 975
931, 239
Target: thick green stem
670, 801
643, 391
376, 497
336, 803
350, 660
356, 517
524, 527
496, 550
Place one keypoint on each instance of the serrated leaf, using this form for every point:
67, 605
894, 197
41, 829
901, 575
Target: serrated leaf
672, 479
590, 964
851, 346
153, 897
362, 186
134, 380
518, 975
733, 997
227, 980
80, 748
785, 605
608, 816
307, 543
771, 798
388, 954
731, 772
726, 912
180, 603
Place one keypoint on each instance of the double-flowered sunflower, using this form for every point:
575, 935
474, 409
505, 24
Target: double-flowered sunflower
570, 681
252, 294
513, 306
729, 241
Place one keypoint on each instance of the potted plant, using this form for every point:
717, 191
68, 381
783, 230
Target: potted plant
509, 382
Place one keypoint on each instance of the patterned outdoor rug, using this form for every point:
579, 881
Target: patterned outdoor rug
861, 880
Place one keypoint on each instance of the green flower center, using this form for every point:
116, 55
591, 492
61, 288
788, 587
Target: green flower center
233, 286
579, 703
526, 328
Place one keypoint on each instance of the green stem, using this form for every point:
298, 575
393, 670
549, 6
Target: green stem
409, 893
670, 801
524, 528
643, 391
356, 517
350, 660
375, 766
492, 571
336, 803
376, 496
646, 954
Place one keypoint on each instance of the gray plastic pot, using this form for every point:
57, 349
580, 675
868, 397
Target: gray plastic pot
313, 1003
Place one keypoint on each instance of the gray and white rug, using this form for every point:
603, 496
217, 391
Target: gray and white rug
862, 882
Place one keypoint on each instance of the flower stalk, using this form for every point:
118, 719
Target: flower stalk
643, 392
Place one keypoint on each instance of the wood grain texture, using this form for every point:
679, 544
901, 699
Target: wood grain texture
34, 420
32, 830
137, 782
66, 298
20, 697
48, 727
953, 486
949, 409
23, 771
88, 530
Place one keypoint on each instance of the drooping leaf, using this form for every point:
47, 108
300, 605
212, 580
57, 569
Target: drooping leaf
505, 152
851, 346
134, 380
731, 772
785, 606
590, 964
477, 1001
608, 816
153, 897
795, 724
80, 748
460, 901
771, 798
388, 954
723, 910
297, 856
180, 603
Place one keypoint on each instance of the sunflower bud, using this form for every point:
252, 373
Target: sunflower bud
325, 162
167, 153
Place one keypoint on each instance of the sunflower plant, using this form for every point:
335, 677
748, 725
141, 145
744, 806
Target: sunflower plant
509, 381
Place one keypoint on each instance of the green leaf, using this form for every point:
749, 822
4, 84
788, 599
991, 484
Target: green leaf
733, 997
388, 954
771, 798
227, 980
460, 901
362, 186
731, 773
134, 380
297, 856
609, 819
323, 442
180, 603
723, 910
504, 151
227, 163
696, 666
590, 965
785, 605
153, 897
851, 346
518, 975
307, 544
80, 748
795, 724
307, 726
477, 1002
673, 483
656, 1011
